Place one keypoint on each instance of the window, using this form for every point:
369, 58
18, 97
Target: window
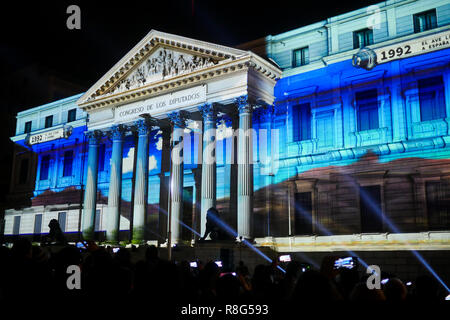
362, 38
37, 224
68, 161
302, 122
424, 21
432, 98
45, 165
16, 225
188, 202
23, 173
367, 109
370, 209
48, 121
300, 57
62, 221
303, 213
27, 127
71, 116
101, 157
438, 205
97, 220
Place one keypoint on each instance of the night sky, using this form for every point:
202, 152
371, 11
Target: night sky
36, 46
36, 33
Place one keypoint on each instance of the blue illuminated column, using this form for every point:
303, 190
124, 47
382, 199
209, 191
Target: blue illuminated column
115, 184
245, 168
141, 184
265, 157
178, 120
164, 182
90, 194
208, 188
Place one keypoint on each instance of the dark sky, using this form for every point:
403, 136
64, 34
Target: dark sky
35, 44
36, 33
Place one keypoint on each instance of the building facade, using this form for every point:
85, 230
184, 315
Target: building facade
334, 135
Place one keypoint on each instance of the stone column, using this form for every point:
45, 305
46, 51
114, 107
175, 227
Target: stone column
141, 184
178, 120
164, 182
265, 115
90, 193
115, 184
208, 187
245, 168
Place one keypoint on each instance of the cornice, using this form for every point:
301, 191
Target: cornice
185, 80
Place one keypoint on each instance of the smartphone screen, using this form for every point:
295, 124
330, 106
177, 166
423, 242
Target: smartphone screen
346, 262
81, 245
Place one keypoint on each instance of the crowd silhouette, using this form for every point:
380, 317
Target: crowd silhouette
34, 272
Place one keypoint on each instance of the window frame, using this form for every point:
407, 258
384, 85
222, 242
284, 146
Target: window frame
298, 118
60, 215
303, 59
437, 205
67, 164
425, 14
38, 216
300, 228
47, 120
47, 156
364, 222
16, 225
70, 113
365, 106
365, 31
28, 126
439, 111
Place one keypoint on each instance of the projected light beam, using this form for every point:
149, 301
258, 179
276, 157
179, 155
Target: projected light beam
325, 231
233, 233
183, 224
368, 200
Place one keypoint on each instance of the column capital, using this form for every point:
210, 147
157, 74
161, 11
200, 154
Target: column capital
178, 118
143, 127
94, 136
117, 131
208, 111
243, 104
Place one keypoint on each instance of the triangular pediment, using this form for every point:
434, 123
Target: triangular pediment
157, 58
163, 63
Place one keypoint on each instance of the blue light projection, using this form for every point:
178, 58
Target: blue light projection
393, 228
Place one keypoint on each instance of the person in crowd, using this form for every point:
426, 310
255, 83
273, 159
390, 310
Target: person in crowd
394, 290
41, 273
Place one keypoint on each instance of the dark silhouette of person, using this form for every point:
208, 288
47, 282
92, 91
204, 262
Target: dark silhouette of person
55, 234
212, 227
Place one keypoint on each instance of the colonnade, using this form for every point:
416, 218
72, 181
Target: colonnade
144, 127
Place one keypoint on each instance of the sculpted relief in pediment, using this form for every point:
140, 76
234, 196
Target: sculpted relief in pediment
162, 64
